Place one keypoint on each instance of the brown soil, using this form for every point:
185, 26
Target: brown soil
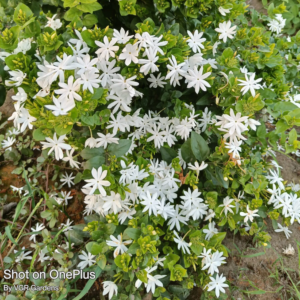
257, 5
7, 108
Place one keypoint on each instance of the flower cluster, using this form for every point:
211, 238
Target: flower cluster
161, 134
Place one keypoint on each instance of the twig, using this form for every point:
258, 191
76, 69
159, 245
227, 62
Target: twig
47, 186
21, 231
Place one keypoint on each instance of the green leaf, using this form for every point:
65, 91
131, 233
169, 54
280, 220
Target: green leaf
142, 276
102, 261
119, 149
132, 233
78, 178
170, 261
217, 239
89, 284
94, 162
179, 271
75, 236
22, 14
292, 136
38, 135
187, 153
89, 20
97, 94
89, 8
133, 248
284, 106
88, 153
9, 235
11, 297
93, 248
231, 222
281, 126
62, 129
199, 146
13, 42
87, 37
127, 7
167, 154
104, 116
71, 3
73, 14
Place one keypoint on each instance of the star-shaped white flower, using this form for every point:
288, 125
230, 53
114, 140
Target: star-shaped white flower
97, 182
57, 145
226, 31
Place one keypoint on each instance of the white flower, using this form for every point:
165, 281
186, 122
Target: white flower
149, 64
16, 78
85, 64
58, 68
42, 255
114, 203
8, 143
65, 197
196, 79
197, 167
277, 24
87, 259
226, 31
181, 243
211, 231
67, 179
250, 84
107, 49
22, 256
109, 70
226, 204
249, 215
119, 244
289, 250
23, 46
274, 178
38, 228
184, 128
97, 182
223, 11
130, 54
69, 158
90, 142
66, 227
21, 96
233, 125
121, 36
177, 219
175, 71
61, 108
234, 148
151, 203
69, 91
57, 145
215, 47
54, 24
217, 284
195, 41
90, 80
109, 288
212, 262
156, 81
284, 229
104, 140
154, 281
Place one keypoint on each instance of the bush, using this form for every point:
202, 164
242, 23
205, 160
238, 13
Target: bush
164, 115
